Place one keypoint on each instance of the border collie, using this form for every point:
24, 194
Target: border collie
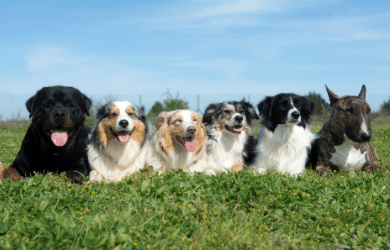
284, 140
228, 127
179, 142
119, 142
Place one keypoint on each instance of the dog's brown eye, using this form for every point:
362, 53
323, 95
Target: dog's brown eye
350, 109
241, 111
70, 105
284, 104
194, 120
48, 104
130, 114
227, 112
368, 110
113, 114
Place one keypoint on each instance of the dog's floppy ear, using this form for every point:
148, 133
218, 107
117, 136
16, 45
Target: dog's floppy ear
362, 93
333, 98
250, 111
30, 105
308, 107
265, 106
86, 104
209, 113
161, 119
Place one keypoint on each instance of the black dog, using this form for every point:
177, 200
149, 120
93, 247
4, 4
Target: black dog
56, 140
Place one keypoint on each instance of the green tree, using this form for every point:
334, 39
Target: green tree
321, 106
385, 107
168, 104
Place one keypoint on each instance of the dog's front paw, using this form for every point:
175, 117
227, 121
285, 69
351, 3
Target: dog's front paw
370, 166
324, 170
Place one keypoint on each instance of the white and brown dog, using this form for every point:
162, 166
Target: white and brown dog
228, 127
119, 142
344, 141
179, 142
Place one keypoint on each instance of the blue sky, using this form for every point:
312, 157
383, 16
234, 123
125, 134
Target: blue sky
221, 50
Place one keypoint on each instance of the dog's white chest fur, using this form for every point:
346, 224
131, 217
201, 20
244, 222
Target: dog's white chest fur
284, 150
224, 152
116, 161
347, 157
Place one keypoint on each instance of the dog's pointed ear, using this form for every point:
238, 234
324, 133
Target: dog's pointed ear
161, 119
30, 105
362, 93
333, 98
208, 114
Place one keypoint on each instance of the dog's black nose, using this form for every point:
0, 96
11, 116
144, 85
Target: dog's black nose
238, 118
59, 115
123, 123
295, 114
191, 130
365, 137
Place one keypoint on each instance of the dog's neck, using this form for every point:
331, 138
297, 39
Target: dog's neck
333, 129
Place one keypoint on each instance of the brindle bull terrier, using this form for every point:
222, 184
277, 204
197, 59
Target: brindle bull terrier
344, 141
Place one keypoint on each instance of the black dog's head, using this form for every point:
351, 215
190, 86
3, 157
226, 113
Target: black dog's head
285, 109
58, 110
230, 116
352, 114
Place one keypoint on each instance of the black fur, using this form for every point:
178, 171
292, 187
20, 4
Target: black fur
274, 109
38, 154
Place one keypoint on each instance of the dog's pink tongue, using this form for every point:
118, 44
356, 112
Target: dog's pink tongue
124, 138
191, 146
237, 129
59, 138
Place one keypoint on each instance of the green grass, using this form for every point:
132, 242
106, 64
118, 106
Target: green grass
178, 211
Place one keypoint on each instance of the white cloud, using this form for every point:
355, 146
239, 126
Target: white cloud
50, 58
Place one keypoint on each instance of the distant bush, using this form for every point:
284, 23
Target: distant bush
169, 103
321, 106
385, 107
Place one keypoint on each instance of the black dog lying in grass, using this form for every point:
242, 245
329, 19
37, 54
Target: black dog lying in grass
56, 140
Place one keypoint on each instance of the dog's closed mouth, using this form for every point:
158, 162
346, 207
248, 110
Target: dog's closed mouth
235, 129
59, 137
187, 142
122, 136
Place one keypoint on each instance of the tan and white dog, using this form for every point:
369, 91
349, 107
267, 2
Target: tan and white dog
179, 142
119, 142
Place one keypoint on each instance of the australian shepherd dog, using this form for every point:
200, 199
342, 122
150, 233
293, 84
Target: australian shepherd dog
119, 142
228, 126
284, 140
179, 142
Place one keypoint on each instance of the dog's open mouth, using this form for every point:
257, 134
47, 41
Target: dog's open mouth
59, 137
187, 142
122, 136
235, 128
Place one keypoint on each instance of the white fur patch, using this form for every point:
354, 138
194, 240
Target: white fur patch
347, 157
225, 151
284, 150
117, 160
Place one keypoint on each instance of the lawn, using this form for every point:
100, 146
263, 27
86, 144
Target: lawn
178, 211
